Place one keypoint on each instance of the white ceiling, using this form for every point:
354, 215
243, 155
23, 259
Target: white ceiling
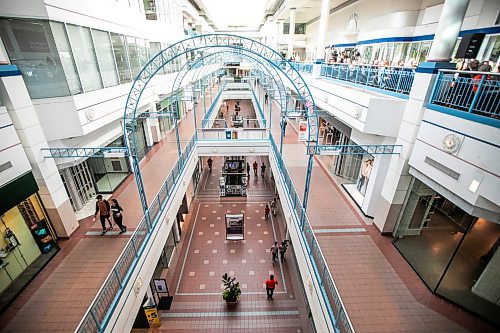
235, 14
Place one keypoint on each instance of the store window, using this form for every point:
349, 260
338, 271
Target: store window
104, 52
30, 45
135, 62
109, 172
66, 56
453, 252
86, 61
27, 242
424, 51
121, 58
300, 28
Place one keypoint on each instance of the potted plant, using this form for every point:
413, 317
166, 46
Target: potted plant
232, 291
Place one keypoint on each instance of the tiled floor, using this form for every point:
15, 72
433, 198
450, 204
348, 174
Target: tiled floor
380, 290
206, 255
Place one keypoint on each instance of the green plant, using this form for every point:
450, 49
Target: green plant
232, 290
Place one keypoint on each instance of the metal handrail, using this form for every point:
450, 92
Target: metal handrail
475, 95
369, 65
119, 275
395, 81
340, 317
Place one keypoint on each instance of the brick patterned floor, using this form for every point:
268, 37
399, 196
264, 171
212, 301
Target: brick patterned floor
380, 290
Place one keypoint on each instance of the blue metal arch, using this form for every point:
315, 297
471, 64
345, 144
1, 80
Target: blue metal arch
219, 54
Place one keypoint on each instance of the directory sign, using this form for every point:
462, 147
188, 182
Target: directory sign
235, 226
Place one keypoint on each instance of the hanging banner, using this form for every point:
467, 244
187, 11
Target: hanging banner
235, 226
303, 130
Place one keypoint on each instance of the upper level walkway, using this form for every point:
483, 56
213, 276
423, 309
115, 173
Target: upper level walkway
379, 289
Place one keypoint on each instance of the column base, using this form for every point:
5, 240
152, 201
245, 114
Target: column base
386, 216
63, 219
316, 71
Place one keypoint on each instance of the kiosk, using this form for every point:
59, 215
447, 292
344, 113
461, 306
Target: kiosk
233, 181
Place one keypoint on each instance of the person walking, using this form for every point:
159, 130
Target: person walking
266, 212
117, 210
210, 162
248, 170
273, 206
283, 247
255, 166
102, 207
266, 98
271, 284
263, 170
274, 252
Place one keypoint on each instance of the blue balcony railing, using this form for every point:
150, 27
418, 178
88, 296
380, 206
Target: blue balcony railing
475, 93
330, 293
395, 81
301, 67
97, 316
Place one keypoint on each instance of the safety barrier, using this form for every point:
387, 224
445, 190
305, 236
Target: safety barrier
467, 91
396, 81
224, 134
260, 114
96, 317
301, 67
331, 295
206, 121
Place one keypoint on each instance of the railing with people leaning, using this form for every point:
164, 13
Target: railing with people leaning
470, 92
395, 81
303, 67
103, 305
331, 295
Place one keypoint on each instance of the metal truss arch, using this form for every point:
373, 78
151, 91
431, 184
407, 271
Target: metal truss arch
204, 42
221, 56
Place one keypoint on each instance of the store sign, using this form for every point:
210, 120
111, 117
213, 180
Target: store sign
329, 150
303, 130
235, 226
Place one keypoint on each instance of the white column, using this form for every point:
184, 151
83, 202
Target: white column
291, 33
447, 31
14, 95
323, 25
279, 40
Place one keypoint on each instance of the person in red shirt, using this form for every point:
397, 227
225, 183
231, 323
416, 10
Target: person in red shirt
255, 166
271, 283
266, 212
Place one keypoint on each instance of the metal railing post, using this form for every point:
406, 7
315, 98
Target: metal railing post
477, 93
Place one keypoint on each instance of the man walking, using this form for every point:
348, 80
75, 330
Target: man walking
266, 212
271, 284
263, 170
255, 166
102, 207
274, 252
210, 162
266, 98
248, 170
273, 206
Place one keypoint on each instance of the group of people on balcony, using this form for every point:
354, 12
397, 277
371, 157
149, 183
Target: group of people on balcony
477, 90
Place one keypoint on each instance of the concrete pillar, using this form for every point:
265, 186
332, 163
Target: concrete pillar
280, 35
291, 33
14, 95
447, 30
323, 25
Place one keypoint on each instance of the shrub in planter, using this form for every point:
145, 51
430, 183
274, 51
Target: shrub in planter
232, 290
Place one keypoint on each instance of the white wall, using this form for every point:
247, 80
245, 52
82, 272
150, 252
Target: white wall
475, 159
11, 150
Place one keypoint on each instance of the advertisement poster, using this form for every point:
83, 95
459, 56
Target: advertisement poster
160, 285
303, 130
152, 316
234, 226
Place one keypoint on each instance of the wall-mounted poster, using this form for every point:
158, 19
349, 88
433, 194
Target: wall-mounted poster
235, 226
303, 130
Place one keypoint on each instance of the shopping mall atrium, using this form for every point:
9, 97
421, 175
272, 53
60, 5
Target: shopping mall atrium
249, 166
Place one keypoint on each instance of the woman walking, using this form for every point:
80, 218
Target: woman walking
117, 210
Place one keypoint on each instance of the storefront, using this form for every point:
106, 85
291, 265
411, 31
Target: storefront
94, 175
27, 241
454, 253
